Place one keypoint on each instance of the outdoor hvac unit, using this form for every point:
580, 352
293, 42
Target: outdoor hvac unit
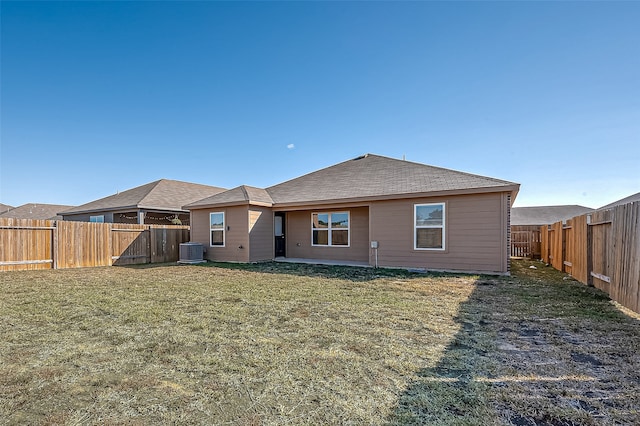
191, 253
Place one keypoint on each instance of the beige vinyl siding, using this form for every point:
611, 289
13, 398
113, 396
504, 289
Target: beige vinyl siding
475, 238
261, 239
236, 220
298, 236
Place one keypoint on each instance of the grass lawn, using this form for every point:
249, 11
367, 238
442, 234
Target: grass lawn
298, 344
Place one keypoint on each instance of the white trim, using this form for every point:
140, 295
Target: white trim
329, 229
416, 227
224, 229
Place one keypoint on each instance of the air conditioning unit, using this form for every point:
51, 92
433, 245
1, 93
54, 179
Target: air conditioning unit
191, 253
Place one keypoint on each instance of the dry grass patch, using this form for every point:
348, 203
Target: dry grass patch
298, 344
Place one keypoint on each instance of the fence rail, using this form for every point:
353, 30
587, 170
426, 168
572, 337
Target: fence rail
46, 244
600, 249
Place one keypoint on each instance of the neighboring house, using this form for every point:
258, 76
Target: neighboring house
158, 203
4, 208
545, 215
36, 211
371, 210
626, 200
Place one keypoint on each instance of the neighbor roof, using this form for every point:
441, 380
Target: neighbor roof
367, 177
629, 199
163, 194
36, 211
545, 215
5, 208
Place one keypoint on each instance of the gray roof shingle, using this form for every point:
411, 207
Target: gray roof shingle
36, 211
239, 195
373, 176
163, 194
545, 215
629, 199
366, 177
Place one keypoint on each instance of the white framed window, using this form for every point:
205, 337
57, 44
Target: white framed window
429, 226
217, 229
97, 219
330, 229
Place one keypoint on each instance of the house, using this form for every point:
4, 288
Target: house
371, 210
157, 203
4, 208
36, 211
545, 215
626, 200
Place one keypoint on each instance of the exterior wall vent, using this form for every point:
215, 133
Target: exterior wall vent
191, 253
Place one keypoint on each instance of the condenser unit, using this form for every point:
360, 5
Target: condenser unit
191, 253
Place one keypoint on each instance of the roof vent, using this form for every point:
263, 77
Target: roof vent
361, 157
191, 253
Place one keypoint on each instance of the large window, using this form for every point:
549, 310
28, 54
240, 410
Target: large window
330, 229
217, 229
429, 220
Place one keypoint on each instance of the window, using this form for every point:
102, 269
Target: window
217, 229
429, 226
98, 219
330, 229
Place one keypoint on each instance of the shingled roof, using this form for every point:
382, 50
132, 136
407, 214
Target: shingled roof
364, 178
5, 208
239, 195
373, 176
163, 194
36, 211
545, 215
629, 199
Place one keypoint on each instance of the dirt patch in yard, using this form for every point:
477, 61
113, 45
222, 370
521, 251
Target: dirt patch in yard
534, 349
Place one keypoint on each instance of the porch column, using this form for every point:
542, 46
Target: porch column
141, 217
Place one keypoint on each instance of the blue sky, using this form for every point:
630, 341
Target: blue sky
99, 97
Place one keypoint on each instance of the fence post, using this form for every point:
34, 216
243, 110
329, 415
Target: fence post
151, 242
589, 251
564, 249
54, 245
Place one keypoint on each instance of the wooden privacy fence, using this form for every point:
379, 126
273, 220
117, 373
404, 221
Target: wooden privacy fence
525, 241
600, 249
46, 244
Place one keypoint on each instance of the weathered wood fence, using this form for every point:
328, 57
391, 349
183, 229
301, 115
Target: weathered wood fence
600, 249
525, 241
46, 244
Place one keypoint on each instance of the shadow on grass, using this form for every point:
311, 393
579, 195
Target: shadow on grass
534, 349
448, 393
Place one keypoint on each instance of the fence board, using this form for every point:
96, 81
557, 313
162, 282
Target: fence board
165, 242
544, 244
600, 254
624, 267
525, 241
130, 244
26, 244
577, 252
555, 246
38, 244
83, 244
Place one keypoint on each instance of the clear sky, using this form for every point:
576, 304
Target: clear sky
99, 97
